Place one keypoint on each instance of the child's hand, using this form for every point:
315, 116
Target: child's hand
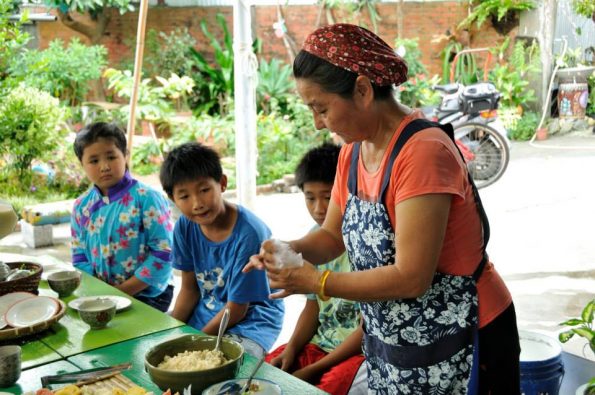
308, 373
284, 360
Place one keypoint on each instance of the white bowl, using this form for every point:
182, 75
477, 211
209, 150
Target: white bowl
265, 387
31, 311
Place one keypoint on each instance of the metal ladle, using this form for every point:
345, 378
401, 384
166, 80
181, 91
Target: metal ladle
222, 328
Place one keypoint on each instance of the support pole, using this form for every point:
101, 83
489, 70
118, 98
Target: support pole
245, 80
138, 70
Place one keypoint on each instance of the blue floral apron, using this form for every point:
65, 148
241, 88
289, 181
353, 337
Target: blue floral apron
426, 345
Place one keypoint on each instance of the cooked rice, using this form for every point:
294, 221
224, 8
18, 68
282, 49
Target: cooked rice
193, 360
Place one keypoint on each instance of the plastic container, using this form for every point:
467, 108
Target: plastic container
541, 364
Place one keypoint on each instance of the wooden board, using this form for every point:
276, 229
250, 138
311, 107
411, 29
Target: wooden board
118, 381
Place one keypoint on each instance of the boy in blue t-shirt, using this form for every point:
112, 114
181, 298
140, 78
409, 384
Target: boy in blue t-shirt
212, 242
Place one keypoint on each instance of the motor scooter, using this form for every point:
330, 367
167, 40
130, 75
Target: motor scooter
473, 112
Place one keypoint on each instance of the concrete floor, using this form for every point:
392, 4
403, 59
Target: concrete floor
542, 215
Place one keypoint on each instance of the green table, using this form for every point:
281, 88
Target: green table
35, 353
30, 380
134, 351
71, 336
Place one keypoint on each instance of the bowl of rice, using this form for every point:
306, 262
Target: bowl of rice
192, 360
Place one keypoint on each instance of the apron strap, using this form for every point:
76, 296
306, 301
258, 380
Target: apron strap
413, 127
352, 179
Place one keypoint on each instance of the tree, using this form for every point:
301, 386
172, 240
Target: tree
12, 39
99, 12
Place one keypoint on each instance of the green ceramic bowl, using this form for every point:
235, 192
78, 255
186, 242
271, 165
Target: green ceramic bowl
200, 379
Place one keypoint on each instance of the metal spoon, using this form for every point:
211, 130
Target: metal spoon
222, 328
233, 388
246, 386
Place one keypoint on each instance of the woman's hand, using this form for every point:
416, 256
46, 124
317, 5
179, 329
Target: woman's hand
266, 254
300, 280
284, 361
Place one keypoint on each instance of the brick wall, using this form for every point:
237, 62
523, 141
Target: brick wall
424, 20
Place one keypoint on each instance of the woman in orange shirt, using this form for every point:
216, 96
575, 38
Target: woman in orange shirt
437, 317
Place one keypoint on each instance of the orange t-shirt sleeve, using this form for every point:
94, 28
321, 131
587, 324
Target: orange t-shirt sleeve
428, 163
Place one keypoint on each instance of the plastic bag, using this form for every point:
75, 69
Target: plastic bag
285, 256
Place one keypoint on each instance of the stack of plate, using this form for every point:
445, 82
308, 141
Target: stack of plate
23, 313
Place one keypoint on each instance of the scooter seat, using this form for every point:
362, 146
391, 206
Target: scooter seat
447, 88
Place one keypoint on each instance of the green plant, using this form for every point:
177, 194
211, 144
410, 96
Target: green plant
582, 326
12, 39
152, 104
511, 77
217, 131
591, 105
466, 68
177, 89
282, 142
68, 179
497, 10
274, 85
585, 8
146, 158
170, 53
64, 72
408, 48
572, 58
29, 128
417, 90
277, 148
524, 127
214, 83
353, 10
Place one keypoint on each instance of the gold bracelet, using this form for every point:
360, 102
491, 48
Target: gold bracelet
323, 278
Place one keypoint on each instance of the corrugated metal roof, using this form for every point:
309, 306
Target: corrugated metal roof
219, 3
569, 24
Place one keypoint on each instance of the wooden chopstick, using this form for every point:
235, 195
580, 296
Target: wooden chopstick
98, 378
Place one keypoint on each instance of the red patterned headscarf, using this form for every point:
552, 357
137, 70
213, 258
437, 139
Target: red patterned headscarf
358, 50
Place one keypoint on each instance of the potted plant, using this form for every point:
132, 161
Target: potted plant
585, 8
572, 67
502, 13
583, 327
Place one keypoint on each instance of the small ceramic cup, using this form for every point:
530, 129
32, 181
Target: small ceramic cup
97, 312
10, 365
64, 282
